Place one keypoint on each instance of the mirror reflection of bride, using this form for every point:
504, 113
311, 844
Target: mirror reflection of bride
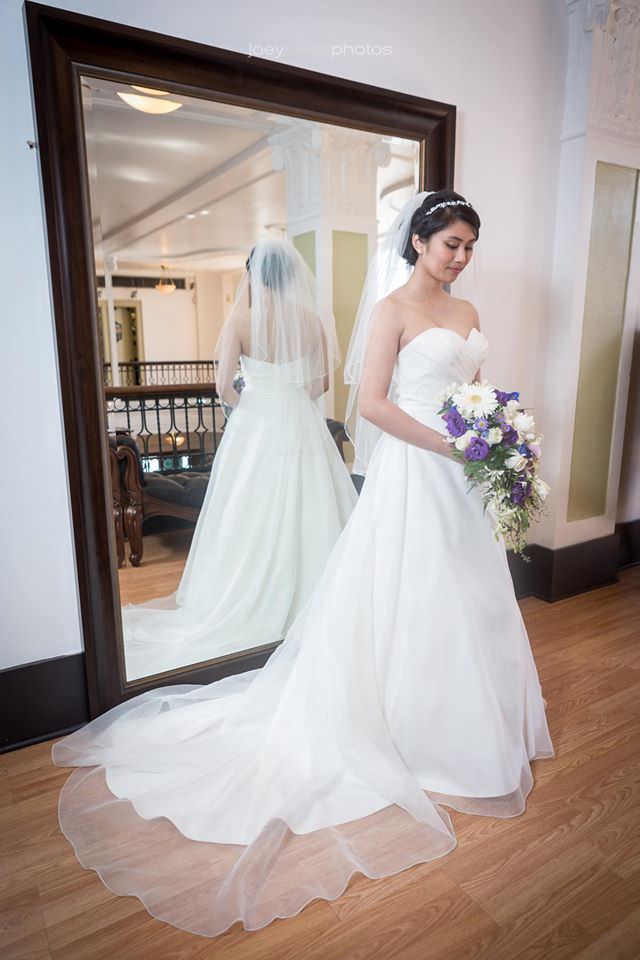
279, 493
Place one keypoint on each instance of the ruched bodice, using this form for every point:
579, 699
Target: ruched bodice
429, 363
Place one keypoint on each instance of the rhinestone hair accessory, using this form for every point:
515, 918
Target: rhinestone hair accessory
447, 203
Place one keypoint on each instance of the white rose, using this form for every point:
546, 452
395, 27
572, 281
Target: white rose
516, 461
494, 436
463, 442
523, 422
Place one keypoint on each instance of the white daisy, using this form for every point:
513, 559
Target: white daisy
475, 400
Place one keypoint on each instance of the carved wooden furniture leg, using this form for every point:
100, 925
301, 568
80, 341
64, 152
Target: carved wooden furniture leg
117, 505
133, 510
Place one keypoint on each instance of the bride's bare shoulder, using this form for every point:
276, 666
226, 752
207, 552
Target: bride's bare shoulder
388, 311
467, 312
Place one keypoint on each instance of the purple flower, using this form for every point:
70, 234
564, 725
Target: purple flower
509, 435
520, 491
455, 423
503, 396
481, 424
477, 449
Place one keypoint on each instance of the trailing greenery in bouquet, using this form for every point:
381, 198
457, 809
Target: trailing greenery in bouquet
497, 443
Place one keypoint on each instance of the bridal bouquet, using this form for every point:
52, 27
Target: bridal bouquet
496, 441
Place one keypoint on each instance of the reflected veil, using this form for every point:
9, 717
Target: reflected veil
279, 493
275, 320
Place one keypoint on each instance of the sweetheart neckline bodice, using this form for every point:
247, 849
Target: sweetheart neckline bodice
418, 336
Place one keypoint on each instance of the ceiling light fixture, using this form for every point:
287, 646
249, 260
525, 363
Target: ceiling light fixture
149, 104
150, 90
165, 284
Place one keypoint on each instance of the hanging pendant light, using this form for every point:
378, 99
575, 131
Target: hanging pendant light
165, 284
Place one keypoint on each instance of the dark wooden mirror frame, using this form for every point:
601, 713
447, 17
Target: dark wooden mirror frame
62, 47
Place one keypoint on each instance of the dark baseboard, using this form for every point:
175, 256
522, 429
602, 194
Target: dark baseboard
556, 574
42, 700
629, 534
47, 699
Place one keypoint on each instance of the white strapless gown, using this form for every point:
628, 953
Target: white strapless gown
277, 500
406, 684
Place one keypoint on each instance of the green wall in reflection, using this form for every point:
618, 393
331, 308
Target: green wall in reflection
305, 244
350, 260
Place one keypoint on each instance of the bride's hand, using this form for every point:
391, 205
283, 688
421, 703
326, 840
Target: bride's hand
447, 450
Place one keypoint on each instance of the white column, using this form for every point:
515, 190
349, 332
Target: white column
332, 185
601, 122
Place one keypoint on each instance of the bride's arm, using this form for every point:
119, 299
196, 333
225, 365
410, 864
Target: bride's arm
227, 370
374, 404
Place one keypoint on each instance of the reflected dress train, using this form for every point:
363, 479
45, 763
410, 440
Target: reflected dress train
406, 684
277, 500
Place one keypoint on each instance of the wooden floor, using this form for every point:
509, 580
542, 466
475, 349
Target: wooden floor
561, 881
163, 560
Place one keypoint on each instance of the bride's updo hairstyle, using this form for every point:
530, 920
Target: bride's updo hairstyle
427, 220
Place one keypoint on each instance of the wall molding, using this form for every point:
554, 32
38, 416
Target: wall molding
42, 700
629, 534
557, 574
49, 698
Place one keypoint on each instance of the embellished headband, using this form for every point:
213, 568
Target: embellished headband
447, 203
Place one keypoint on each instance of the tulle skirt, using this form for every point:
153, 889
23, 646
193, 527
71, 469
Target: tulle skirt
278, 498
406, 685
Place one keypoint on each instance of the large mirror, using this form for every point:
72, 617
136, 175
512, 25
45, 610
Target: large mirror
181, 191
163, 163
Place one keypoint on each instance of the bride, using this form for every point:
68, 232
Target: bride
406, 684
279, 493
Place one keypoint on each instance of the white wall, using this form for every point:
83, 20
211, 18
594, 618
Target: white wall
169, 322
501, 62
209, 304
215, 295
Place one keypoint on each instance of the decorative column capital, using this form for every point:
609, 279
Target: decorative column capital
328, 170
615, 93
602, 94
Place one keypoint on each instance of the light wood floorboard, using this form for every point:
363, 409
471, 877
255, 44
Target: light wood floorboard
560, 882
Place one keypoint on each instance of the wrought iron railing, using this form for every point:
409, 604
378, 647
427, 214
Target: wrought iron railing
177, 428
160, 372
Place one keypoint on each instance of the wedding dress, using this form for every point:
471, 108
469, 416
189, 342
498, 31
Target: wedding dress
406, 684
277, 500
